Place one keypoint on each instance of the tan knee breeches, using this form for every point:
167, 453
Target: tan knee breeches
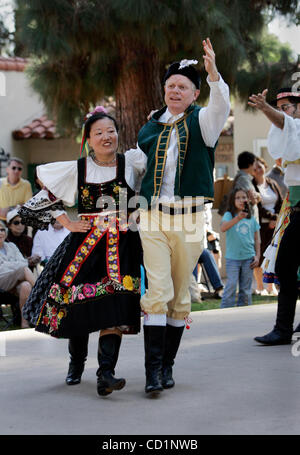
172, 245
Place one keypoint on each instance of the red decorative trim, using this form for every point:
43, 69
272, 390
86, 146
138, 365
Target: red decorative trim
112, 250
79, 259
287, 95
41, 312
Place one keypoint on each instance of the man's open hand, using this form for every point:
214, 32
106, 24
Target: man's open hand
209, 58
258, 101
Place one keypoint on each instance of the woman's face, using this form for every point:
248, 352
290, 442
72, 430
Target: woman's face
16, 227
103, 138
2, 233
259, 170
240, 199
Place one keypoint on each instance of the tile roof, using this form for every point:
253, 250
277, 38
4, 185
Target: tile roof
12, 63
40, 128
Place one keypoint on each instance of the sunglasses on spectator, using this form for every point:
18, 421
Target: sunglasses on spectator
284, 107
16, 223
14, 168
2, 230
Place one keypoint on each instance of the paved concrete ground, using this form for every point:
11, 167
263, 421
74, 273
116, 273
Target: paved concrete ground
225, 384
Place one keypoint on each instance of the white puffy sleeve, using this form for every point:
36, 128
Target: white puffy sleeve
136, 160
212, 118
61, 179
284, 143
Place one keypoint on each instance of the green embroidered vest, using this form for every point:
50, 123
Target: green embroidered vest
194, 173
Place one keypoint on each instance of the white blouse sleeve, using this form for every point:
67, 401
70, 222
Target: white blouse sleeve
284, 143
136, 159
212, 118
61, 179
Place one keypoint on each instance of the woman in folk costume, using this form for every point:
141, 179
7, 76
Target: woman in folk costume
92, 281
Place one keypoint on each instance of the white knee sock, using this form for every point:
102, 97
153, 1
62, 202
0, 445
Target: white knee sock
155, 319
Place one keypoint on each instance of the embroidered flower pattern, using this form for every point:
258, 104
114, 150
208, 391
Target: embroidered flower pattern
52, 317
128, 283
87, 199
86, 291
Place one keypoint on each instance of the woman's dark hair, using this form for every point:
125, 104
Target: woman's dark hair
98, 116
231, 202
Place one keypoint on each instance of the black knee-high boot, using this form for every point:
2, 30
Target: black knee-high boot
285, 313
154, 338
108, 353
78, 349
172, 342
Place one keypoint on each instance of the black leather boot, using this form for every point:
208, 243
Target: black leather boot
172, 342
108, 353
283, 329
274, 338
78, 349
154, 338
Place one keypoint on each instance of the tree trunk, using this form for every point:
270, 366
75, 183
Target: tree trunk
138, 79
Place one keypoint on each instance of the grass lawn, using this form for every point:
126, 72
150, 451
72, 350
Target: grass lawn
212, 304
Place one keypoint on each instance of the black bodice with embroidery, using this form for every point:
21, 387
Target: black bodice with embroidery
91, 196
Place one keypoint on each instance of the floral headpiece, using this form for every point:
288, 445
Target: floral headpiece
84, 144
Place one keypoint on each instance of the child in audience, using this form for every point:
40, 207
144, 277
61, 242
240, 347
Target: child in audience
242, 249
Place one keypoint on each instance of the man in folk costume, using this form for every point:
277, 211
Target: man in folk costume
284, 142
176, 149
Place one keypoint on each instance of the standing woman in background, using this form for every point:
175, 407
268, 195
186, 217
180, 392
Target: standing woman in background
268, 210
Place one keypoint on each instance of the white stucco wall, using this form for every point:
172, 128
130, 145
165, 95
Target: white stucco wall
251, 129
18, 107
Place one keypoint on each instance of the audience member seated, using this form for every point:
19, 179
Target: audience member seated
15, 275
17, 235
14, 189
207, 260
46, 242
268, 210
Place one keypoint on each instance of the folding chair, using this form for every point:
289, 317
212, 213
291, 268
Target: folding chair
9, 299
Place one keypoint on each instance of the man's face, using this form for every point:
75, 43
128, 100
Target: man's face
14, 172
179, 93
291, 109
251, 169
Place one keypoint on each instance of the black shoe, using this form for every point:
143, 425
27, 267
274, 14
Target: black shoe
216, 295
107, 383
167, 378
74, 374
274, 338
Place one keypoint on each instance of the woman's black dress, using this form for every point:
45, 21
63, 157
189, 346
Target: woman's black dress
92, 281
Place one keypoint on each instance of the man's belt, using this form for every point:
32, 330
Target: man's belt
180, 210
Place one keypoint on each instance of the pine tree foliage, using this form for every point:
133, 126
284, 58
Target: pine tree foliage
83, 50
